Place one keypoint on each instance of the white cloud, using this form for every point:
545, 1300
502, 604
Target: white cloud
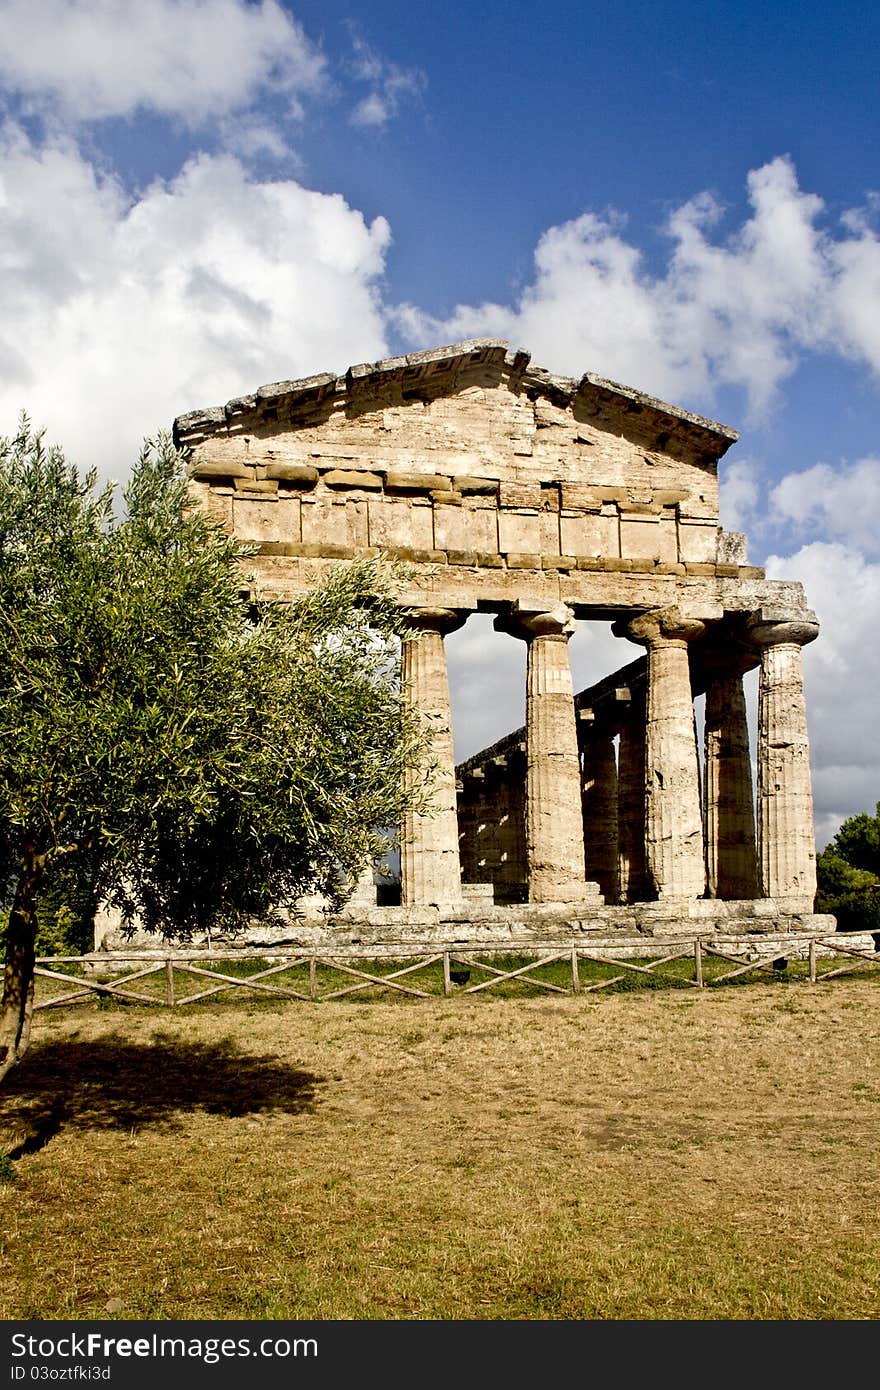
390, 85
839, 502
253, 138
841, 676
739, 310
856, 290
120, 313
193, 59
739, 493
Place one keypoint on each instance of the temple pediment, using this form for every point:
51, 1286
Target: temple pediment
478, 364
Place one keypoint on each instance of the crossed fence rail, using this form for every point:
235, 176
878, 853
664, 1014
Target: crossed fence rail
458, 964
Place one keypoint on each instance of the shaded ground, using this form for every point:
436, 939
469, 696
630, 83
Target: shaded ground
680, 1155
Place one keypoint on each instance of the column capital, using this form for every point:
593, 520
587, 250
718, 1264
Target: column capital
772, 628
662, 627
442, 620
529, 618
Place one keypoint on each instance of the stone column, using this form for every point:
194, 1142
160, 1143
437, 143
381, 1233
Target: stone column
631, 803
429, 864
599, 800
729, 812
673, 818
554, 821
786, 840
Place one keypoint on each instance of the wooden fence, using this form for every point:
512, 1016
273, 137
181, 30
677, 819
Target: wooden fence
311, 975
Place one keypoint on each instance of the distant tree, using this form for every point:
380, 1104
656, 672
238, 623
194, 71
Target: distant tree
848, 873
168, 744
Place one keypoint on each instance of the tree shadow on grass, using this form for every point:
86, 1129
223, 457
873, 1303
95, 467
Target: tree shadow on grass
122, 1085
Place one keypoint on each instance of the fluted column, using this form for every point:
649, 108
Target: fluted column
785, 835
554, 822
729, 811
429, 863
673, 819
599, 801
631, 802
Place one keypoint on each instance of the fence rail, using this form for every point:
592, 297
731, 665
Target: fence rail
696, 957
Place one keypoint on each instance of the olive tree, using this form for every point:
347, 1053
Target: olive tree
169, 743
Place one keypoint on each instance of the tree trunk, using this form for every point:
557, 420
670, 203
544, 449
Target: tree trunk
17, 1007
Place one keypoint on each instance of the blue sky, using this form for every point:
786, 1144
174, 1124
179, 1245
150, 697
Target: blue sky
197, 196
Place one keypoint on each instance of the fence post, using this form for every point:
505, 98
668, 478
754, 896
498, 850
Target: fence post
313, 978
698, 963
812, 960
575, 977
169, 982
447, 979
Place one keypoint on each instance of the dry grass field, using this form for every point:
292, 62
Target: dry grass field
629, 1156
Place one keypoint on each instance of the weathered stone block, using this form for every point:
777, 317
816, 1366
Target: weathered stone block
519, 531
206, 471
397, 481
642, 507
294, 474
470, 486
519, 561
465, 528
264, 485
589, 534
339, 522
217, 504
669, 496
323, 550
395, 522
261, 519
351, 478
697, 539
559, 562
732, 548
415, 556
648, 537
291, 548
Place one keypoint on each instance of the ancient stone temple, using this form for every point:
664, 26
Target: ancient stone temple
548, 501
